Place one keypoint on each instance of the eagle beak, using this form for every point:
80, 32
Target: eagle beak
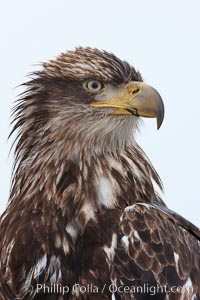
138, 99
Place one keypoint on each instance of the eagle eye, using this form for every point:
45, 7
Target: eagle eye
94, 86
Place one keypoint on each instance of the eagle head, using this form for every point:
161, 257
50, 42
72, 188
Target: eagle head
88, 97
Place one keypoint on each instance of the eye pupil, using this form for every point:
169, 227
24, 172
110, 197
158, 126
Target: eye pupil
94, 85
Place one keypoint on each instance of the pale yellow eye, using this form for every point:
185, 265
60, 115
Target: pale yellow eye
94, 86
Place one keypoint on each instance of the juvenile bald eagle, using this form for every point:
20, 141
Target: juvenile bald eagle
83, 219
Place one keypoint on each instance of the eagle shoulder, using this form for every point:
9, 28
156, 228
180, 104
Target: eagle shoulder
157, 247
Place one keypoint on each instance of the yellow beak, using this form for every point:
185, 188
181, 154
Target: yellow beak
138, 99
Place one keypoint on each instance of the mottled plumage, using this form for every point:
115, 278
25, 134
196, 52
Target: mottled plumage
83, 207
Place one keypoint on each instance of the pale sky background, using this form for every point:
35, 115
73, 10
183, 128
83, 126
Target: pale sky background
160, 38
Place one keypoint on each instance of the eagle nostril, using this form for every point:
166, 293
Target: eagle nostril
135, 90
